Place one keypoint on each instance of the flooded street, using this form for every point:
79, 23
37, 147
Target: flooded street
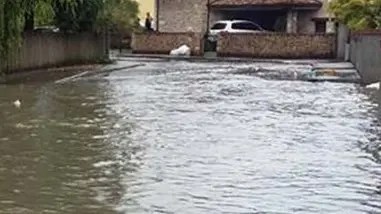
190, 138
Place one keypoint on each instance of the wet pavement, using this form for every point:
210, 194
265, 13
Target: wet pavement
183, 137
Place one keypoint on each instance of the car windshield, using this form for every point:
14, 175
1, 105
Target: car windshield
219, 26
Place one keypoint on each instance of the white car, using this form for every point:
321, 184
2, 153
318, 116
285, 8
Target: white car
233, 26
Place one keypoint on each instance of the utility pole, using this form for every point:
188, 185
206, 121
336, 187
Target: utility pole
157, 6
207, 17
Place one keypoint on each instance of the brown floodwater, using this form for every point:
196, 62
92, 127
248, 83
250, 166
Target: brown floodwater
190, 138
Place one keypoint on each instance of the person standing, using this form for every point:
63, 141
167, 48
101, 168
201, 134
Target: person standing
148, 22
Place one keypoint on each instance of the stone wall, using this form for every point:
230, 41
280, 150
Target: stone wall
48, 49
182, 15
163, 43
185, 15
277, 45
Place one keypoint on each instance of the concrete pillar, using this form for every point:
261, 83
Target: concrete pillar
289, 22
157, 9
342, 42
292, 21
295, 22
330, 27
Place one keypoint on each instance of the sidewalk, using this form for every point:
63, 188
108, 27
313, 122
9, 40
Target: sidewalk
212, 57
63, 74
45, 74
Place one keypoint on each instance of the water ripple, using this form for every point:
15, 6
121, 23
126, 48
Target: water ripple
221, 143
180, 137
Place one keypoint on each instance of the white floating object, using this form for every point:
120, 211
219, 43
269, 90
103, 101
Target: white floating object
17, 103
183, 50
295, 75
374, 85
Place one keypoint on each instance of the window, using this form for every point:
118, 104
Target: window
320, 26
219, 26
245, 26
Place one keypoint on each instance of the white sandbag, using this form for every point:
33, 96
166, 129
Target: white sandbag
183, 50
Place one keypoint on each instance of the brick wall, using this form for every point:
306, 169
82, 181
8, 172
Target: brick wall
277, 45
182, 15
163, 43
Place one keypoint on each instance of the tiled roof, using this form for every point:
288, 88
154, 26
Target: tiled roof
264, 2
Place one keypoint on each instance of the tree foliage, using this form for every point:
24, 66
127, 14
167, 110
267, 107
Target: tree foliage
10, 23
44, 14
69, 15
120, 14
77, 17
16, 16
358, 14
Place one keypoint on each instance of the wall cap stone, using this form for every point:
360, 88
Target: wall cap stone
168, 33
371, 32
281, 34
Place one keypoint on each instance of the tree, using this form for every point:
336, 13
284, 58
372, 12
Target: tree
69, 15
41, 11
44, 14
93, 15
121, 14
358, 14
11, 21
30, 6
15, 16
80, 16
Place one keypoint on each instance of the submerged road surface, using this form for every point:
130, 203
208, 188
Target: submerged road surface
188, 138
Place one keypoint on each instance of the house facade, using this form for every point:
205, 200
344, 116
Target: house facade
291, 16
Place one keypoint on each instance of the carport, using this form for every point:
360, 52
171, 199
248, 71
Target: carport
273, 15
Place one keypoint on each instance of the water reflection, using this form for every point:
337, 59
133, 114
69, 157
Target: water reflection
48, 150
371, 144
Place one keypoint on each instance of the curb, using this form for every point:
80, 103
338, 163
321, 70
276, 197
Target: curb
91, 73
221, 59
